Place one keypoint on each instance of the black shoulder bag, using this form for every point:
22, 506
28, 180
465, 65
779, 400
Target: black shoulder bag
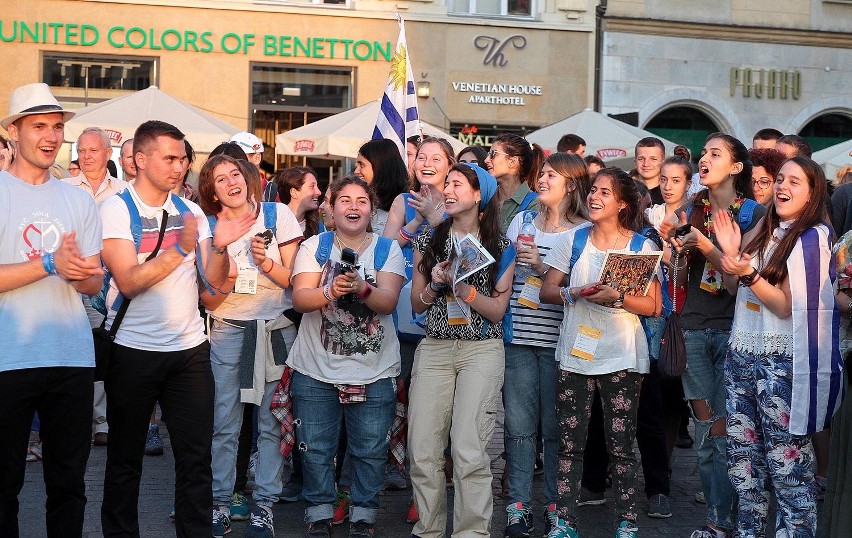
672, 362
104, 339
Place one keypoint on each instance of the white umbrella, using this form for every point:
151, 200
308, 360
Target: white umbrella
342, 134
834, 157
121, 116
611, 140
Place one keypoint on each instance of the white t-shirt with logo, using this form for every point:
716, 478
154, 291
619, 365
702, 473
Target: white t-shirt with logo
164, 317
347, 344
44, 323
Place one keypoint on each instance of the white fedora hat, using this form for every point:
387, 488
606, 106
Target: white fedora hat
33, 99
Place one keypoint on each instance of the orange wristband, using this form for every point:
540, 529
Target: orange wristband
470, 296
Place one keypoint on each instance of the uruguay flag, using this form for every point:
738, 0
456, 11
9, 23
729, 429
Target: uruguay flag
398, 118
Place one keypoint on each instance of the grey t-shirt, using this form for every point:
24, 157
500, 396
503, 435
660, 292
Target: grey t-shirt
705, 310
44, 323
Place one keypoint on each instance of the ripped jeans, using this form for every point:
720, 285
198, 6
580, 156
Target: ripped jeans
319, 414
704, 379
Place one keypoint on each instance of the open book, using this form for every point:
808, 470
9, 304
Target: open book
469, 256
630, 272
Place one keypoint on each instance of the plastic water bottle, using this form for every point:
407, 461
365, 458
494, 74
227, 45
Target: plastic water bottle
527, 235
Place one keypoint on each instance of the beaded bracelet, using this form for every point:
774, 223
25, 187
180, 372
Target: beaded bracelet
422, 300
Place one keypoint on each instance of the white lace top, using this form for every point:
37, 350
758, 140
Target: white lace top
756, 330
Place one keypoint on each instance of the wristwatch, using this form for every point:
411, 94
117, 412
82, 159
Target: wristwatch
619, 303
748, 280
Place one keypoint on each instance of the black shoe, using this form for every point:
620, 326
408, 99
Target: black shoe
684, 441
361, 529
321, 528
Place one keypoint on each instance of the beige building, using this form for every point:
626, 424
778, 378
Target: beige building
684, 69
273, 65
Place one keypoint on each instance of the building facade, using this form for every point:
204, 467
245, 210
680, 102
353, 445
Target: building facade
684, 69
269, 66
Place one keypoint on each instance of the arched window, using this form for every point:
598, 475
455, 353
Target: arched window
827, 130
684, 125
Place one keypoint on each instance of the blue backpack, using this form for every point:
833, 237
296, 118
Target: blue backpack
99, 301
744, 216
380, 256
528, 199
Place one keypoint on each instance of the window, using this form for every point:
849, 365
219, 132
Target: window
496, 8
83, 80
343, 3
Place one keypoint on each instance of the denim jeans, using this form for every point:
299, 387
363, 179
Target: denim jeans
529, 397
225, 346
63, 398
318, 413
704, 379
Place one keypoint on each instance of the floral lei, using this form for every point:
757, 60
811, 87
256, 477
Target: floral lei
708, 216
711, 280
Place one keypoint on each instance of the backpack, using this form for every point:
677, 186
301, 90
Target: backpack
528, 199
744, 216
380, 255
270, 217
99, 301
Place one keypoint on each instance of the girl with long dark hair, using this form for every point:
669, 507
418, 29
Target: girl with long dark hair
458, 366
783, 372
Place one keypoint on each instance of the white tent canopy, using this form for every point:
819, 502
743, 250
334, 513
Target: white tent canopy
341, 135
834, 157
121, 116
611, 140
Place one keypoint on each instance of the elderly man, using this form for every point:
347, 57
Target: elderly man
50, 239
128, 166
94, 150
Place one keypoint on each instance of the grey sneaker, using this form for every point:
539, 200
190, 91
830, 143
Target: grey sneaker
590, 498
394, 480
153, 442
699, 498
660, 507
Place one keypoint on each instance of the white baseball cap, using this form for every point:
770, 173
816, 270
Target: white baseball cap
33, 99
248, 142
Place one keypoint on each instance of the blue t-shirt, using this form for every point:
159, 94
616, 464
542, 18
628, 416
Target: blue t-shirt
44, 323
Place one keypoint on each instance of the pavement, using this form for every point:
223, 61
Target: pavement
157, 490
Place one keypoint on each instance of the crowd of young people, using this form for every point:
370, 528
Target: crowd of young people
307, 316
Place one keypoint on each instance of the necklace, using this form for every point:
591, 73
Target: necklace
556, 228
341, 245
708, 213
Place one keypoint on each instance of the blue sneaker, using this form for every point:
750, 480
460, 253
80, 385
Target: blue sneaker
221, 524
153, 442
627, 529
551, 518
239, 507
261, 523
561, 529
519, 521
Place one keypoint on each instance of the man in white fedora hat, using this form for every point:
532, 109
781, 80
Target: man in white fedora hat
50, 242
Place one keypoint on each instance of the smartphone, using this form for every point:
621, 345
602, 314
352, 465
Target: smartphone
585, 292
349, 260
683, 230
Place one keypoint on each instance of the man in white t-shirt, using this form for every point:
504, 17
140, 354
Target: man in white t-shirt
49, 254
161, 352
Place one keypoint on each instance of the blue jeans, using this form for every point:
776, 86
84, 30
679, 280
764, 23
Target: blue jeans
225, 347
704, 379
529, 396
318, 413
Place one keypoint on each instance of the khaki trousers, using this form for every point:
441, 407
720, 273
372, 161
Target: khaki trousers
455, 387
